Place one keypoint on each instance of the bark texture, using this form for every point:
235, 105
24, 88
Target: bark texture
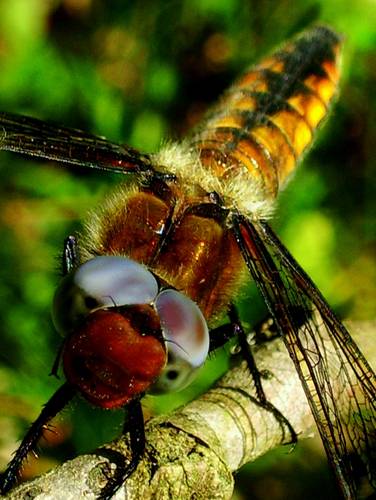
193, 452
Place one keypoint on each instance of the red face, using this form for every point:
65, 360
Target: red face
110, 359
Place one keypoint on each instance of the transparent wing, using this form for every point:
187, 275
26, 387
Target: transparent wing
37, 138
339, 383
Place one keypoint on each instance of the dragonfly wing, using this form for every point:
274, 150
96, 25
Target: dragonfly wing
339, 383
34, 137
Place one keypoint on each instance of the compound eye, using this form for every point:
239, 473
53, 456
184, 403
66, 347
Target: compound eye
187, 340
101, 282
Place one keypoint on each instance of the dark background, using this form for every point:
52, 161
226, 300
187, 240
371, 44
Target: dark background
140, 72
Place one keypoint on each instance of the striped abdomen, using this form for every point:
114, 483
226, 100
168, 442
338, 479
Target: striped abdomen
268, 118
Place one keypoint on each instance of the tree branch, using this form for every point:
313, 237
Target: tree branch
194, 451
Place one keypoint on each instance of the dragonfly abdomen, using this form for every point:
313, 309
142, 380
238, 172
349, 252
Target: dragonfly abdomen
267, 119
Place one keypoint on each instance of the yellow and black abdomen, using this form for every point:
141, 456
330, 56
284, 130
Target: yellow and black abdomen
268, 118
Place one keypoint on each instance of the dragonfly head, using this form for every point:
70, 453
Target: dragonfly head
123, 334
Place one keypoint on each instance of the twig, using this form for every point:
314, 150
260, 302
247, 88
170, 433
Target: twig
193, 452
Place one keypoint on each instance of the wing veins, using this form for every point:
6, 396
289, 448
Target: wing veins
292, 286
36, 138
342, 336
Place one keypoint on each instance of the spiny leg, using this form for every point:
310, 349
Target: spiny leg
70, 260
222, 334
134, 425
256, 376
70, 254
57, 402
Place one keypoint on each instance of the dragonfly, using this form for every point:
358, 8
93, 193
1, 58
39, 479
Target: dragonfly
165, 254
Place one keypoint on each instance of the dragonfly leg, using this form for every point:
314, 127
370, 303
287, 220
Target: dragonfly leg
70, 259
55, 366
221, 335
263, 332
134, 424
257, 375
70, 254
56, 403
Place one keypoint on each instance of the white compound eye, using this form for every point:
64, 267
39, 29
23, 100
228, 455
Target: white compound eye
187, 340
101, 282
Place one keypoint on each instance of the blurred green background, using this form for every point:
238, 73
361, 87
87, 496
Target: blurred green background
138, 72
